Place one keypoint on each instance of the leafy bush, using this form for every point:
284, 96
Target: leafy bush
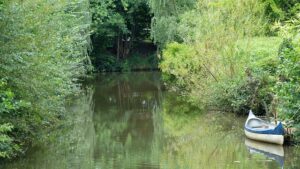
43, 49
288, 85
255, 88
180, 61
9, 111
254, 91
106, 62
6, 146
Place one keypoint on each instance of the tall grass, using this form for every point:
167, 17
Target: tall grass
210, 54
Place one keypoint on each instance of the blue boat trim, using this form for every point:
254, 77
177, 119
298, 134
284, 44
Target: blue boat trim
278, 130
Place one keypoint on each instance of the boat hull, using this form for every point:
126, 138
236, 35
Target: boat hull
269, 138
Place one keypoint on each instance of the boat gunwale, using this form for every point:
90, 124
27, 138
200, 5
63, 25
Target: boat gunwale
277, 130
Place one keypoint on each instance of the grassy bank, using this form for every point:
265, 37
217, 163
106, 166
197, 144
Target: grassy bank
222, 55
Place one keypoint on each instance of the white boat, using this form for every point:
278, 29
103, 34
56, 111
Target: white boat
260, 130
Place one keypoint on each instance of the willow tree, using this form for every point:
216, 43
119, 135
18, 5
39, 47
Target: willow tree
165, 19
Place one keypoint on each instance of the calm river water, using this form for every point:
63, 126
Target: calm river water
129, 121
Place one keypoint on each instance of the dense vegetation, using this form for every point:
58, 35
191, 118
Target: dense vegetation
121, 32
223, 54
232, 56
43, 48
44, 52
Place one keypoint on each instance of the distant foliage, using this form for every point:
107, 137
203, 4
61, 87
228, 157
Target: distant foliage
166, 19
44, 51
118, 26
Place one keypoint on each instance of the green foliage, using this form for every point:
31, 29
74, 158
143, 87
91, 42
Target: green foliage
251, 92
210, 57
219, 60
9, 110
180, 61
140, 62
106, 62
118, 25
43, 48
107, 22
114, 17
6, 145
44, 51
287, 87
125, 67
109, 63
166, 19
254, 89
281, 9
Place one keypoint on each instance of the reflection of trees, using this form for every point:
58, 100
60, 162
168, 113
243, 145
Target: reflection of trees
70, 146
137, 91
127, 122
123, 120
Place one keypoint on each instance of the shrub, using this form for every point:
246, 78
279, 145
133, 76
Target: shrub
9, 112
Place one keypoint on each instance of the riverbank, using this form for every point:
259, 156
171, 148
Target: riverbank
262, 79
231, 57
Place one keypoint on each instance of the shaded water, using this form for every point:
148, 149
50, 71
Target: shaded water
128, 121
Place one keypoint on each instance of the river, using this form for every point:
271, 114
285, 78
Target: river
130, 121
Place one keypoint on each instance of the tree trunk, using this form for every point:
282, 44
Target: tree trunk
119, 46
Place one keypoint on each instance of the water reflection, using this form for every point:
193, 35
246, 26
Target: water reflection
127, 121
124, 117
68, 147
270, 151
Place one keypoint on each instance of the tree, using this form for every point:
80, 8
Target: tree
118, 24
165, 19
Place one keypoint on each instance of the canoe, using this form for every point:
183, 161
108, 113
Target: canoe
260, 130
271, 151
